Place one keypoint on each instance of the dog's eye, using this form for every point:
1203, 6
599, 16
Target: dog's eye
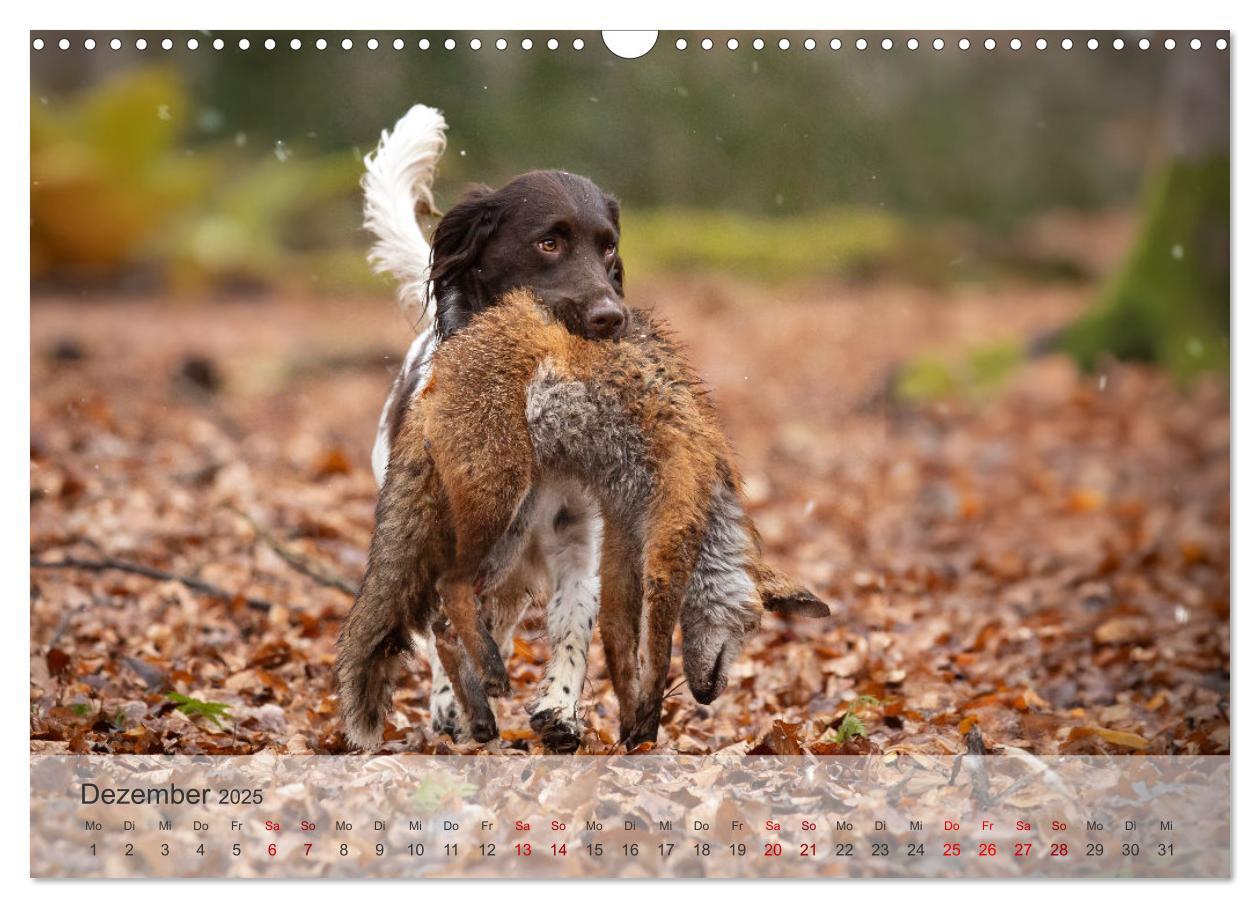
610, 250
549, 245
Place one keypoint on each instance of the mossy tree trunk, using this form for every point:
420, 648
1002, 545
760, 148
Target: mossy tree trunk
1169, 302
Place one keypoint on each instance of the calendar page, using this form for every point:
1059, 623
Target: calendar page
625, 455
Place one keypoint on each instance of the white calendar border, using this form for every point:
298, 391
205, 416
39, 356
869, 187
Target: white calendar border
568, 14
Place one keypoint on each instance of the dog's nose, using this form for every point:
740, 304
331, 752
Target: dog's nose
605, 319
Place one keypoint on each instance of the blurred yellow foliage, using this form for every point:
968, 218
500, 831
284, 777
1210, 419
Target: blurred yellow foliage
106, 173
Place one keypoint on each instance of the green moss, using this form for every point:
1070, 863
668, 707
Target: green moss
1169, 303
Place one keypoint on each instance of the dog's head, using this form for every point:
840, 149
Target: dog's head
548, 231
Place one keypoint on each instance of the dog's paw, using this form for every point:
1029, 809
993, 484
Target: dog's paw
560, 734
446, 717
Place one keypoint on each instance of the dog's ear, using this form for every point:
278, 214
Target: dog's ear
786, 596
617, 272
458, 242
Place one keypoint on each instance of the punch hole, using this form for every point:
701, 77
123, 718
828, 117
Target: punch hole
90, 44
629, 44
732, 44
784, 44
167, 44
1092, 44
861, 44
38, 44
1144, 44
1195, 43
681, 44
963, 43
270, 44
192, 44
758, 44
399, 44
886, 44
115, 44
295, 44
423, 44
373, 44
475, 44
578, 44
990, 44
1170, 44
1221, 44
243, 44
552, 44
217, 43
449, 43
1118, 44
835, 44
706, 44
912, 43
810, 43
64, 44
1016, 44
1066, 44
938, 44
526, 44
1042, 44
141, 44
501, 44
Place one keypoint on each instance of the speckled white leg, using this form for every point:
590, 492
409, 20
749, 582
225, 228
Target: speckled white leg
443, 708
570, 545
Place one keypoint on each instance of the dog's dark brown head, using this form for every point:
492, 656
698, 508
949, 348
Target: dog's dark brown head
548, 231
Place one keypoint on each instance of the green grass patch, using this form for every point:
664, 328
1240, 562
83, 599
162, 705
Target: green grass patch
205, 709
973, 374
839, 243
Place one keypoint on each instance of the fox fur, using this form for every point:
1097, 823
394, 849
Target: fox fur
516, 404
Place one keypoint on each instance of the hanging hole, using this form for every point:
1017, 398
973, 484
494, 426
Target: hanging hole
630, 45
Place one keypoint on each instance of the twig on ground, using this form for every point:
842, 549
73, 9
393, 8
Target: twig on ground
128, 567
296, 560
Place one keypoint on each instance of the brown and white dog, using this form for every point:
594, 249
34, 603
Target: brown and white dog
557, 235
554, 235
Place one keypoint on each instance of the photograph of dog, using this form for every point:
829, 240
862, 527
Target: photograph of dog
508, 454
707, 421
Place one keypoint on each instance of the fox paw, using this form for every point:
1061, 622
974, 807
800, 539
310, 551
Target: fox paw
495, 682
483, 729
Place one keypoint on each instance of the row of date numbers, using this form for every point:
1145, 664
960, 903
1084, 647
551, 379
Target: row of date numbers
705, 849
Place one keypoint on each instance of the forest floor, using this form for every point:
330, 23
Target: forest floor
1047, 563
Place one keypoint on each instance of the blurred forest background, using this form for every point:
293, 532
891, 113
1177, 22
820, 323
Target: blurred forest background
823, 226
219, 170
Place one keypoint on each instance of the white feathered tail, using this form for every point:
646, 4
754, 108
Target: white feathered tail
399, 177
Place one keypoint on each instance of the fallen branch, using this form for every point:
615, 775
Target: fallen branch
296, 560
128, 567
